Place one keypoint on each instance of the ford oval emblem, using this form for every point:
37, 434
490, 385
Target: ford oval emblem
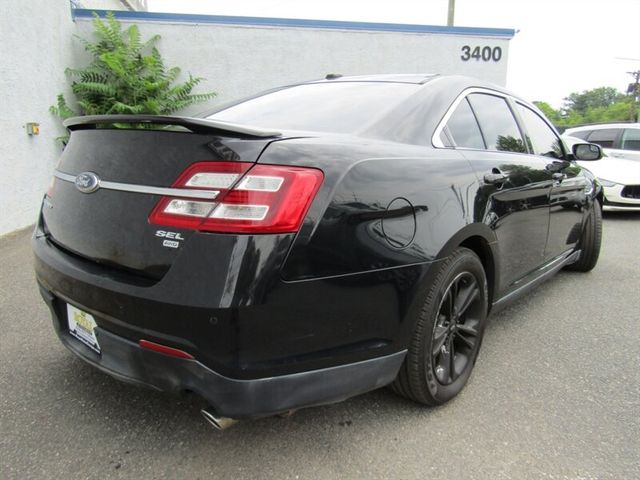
87, 182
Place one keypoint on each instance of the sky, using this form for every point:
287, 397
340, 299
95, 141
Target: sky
561, 46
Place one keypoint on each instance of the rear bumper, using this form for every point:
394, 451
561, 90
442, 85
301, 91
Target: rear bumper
126, 361
245, 324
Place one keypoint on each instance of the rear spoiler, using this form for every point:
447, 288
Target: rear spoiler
196, 125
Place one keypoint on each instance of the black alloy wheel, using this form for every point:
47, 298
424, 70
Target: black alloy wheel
455, 332
447, 333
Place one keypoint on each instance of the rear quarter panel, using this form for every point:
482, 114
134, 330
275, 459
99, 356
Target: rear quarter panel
382, 205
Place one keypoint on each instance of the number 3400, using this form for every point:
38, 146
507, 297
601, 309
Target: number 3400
485, 54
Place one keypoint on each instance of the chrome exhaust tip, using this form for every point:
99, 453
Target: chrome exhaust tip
219, 423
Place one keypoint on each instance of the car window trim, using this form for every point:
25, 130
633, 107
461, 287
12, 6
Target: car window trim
435, 138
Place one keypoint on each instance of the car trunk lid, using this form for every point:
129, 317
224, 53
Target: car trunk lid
132, 168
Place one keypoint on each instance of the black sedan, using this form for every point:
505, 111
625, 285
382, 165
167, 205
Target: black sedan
310, 243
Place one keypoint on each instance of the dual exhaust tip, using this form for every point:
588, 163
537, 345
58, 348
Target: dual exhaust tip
222, 423
218, 422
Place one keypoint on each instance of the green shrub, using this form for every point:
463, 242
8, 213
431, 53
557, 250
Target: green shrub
126, 76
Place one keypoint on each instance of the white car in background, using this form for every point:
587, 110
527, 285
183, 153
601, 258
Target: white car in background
619, 177
618, 140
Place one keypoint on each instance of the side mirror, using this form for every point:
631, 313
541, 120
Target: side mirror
587, 151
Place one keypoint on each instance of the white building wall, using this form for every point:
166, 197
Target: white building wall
38, 44
241, 60
36, 39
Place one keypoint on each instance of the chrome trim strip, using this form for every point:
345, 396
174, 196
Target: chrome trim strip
132, 188
64, 176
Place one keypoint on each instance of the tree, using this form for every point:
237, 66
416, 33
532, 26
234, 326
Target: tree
126, 76
589, 99
510, 144
599, 105
548, 111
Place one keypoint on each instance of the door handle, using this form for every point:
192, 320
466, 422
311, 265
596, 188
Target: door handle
496, 176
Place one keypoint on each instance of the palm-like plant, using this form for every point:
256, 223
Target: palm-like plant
126, 76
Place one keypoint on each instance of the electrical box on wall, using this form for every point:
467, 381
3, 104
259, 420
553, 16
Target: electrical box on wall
33, 128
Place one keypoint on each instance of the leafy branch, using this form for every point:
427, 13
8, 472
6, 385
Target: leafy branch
126, 76
599, 105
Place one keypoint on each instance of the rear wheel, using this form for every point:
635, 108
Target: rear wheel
448, 332
590, 241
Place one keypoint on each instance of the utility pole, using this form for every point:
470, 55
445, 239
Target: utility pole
452, 11
634, 91
634, 88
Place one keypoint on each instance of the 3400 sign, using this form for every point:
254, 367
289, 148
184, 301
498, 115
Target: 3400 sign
485, 54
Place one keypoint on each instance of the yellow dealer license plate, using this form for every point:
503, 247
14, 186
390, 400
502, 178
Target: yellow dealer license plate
82, 325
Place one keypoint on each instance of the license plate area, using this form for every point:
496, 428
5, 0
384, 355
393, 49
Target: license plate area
82, 326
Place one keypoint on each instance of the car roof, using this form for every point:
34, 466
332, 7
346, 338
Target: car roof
602, 126
416, 78
433, 93
443, 81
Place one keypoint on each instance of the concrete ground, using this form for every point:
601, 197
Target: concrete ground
555, 395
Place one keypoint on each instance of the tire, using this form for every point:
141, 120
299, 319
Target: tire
590, 241
434, 378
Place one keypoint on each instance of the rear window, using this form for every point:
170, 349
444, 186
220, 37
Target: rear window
605, 137
341, 107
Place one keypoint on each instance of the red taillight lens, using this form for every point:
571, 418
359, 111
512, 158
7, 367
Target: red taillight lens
250, 199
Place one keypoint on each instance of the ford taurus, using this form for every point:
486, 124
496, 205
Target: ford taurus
310, 243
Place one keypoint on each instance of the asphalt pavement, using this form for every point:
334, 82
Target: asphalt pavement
555, 395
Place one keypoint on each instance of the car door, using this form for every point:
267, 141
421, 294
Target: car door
513, 198
569, 185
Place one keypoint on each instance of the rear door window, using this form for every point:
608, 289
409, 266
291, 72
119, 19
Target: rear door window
463, 128
497, 123
541, 138
605, 137
631, 139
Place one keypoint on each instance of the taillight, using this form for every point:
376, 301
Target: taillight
249, 199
